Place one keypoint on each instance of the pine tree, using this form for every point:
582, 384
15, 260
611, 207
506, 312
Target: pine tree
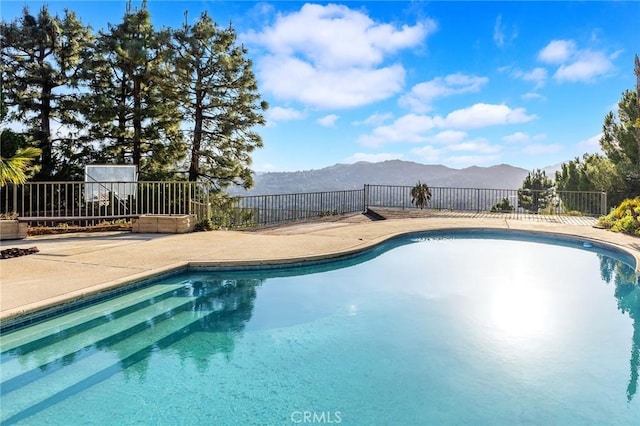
620, 141
535, 194
618, 172
222, 104
592, 172
41, 59
134, 103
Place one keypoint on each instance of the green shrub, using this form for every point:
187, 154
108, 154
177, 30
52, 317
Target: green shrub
504, 206
623, 218
226, 213
626, 224
204, 225
607, 221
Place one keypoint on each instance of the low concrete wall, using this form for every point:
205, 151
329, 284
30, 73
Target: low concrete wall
13, 230
164, 224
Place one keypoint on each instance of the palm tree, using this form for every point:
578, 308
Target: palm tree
420, 195
15, 169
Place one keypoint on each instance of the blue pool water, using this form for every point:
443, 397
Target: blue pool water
430, 329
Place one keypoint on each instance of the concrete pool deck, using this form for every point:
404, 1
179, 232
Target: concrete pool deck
71, 266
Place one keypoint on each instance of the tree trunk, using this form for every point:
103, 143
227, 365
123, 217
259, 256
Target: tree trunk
194, 168
44, 137
122, 121
137, 123
45, 134
637, 72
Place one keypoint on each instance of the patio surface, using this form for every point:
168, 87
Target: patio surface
71, 266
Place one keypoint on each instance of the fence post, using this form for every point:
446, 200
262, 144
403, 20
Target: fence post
15, 198
477, 200
365, 198
264, 208
603, 203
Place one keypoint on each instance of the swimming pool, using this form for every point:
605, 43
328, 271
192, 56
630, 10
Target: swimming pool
431, 328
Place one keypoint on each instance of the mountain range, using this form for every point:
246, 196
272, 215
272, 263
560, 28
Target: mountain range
392, 172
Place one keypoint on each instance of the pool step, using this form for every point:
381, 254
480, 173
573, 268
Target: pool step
56, 354
100, 365
77, 320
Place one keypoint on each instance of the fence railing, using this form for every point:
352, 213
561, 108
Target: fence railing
502, 200
272, 209
92, 202
49, 203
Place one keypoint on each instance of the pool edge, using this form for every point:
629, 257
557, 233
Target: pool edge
75, 296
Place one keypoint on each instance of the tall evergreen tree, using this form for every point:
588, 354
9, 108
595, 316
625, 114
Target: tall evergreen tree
621, 143
592, 172
534, 194
636, 70
41, 58
222, 104
618, 172
134, 106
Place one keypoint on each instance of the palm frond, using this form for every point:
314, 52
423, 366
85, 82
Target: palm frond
14, 169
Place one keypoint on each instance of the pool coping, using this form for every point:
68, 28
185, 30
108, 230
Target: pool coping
338, 241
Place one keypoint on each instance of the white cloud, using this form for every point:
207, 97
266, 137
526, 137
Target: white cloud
428, 154
537, 75
523, 137
414, 128
591, 144
375, 119
293, 79
408, 128
448, 137
500, 32
476, 151
478, 145
335, 36
516, 137
373, 158
422, 95
483, 115
584, 67
472, 160
330, 56
557, 51
284, 114
533, 95
576, 64
535, 149
327, 120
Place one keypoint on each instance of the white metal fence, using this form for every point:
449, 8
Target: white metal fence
51, 202
48, 203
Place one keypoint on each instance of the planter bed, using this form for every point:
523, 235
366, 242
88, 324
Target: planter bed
164, 224
12, 230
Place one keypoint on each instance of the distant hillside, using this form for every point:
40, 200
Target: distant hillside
551, 170
393, 172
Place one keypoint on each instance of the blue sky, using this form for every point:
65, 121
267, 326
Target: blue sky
446, 82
